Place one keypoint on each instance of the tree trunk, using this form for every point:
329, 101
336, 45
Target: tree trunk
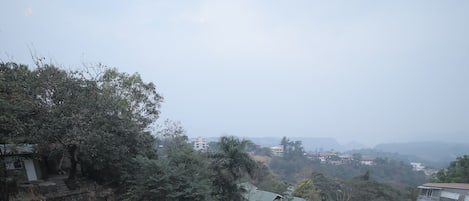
45, 169
72, 150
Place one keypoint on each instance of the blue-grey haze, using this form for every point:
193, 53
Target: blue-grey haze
367, 71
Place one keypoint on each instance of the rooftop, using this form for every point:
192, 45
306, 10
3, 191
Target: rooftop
447, 185
16, 149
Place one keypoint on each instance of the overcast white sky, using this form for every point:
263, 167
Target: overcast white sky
367, 71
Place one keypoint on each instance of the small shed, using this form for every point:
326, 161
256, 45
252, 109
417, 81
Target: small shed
20, 161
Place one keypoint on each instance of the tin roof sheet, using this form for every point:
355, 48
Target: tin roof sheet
448, 185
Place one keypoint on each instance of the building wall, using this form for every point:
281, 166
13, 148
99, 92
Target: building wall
436, 195
277, 150
200, 143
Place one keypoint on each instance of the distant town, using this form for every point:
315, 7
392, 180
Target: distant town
325, 157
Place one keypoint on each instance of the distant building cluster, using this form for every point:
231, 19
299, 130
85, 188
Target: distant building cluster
336, 158
416, 166
328, 157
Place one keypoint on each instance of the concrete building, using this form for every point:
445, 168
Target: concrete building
277, 150
200, 144
443, 192
417, 166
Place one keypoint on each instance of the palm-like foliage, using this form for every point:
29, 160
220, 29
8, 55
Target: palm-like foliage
230, 164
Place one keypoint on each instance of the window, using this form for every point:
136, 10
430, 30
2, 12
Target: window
14, 165
450, 195
426, 192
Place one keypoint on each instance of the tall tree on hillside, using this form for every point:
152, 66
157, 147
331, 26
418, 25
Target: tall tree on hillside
229, 165
129, 107
69, 110
284, 144
292, 149
457, 171
99, 120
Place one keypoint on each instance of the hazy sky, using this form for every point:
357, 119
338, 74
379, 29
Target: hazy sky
368, 71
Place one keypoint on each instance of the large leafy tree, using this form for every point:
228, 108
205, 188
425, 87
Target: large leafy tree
181, 173
18, 112
17, 106
359, 189
69, 111
127, 108
99, 119
457, 171
229, 165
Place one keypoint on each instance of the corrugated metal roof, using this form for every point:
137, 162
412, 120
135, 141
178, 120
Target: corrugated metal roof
16, 149
448, 185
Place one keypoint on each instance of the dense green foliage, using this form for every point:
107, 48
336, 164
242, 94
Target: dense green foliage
293, 163
348, 181
384, 170
306, 189
182, 175
18, 109
229, 166
457, 171
101, 123
359, 188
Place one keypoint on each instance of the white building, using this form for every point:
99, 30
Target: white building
417, 166
367, 161
200, 143
277, 150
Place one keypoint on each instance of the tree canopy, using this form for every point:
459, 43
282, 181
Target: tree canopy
457, 171
306, 189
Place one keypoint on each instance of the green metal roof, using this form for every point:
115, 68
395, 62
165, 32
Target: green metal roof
264, 196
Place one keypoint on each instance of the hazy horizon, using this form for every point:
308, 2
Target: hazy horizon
364, 71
